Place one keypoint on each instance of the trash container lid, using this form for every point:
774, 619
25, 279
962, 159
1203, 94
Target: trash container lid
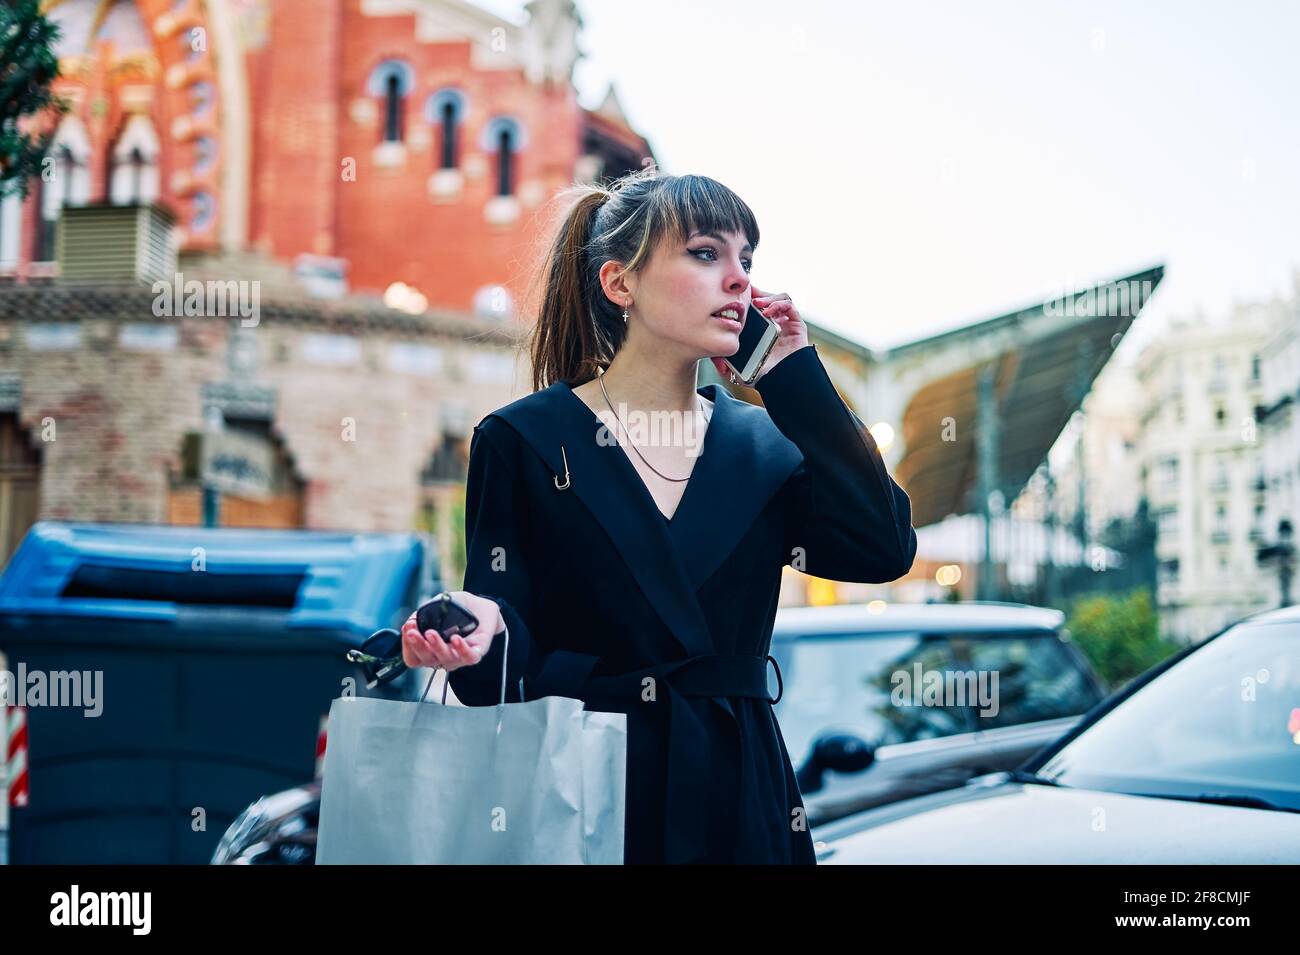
322, 579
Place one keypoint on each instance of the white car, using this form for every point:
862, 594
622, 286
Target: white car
1197, 761
858, 742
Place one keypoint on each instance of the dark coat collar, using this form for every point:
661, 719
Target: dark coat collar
744, 460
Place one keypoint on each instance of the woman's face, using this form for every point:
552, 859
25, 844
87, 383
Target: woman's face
674, 297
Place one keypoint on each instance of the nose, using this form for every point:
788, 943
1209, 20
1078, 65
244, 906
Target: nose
737, 277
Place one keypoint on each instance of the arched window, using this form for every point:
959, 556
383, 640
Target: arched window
20, 483
279, 500
44, 247
504, 136
446, 110
11, 213
51, 198
205, 208
133, 164
68, 162
448, 464
392, 81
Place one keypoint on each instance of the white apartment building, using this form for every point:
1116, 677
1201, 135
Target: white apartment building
1200, 461
1279, 433
1111, 427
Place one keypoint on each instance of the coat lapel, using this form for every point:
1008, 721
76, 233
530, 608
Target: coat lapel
744, 461
733, 480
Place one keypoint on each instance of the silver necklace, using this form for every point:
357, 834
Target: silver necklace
699, 401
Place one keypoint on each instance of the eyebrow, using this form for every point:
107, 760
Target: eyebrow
714, 235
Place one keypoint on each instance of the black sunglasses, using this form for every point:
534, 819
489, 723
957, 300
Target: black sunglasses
380, 657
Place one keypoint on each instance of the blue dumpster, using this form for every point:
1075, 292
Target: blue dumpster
216, 652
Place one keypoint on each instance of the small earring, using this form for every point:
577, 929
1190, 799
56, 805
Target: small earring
624, 314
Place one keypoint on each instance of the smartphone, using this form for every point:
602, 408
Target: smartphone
446, 616
757, 337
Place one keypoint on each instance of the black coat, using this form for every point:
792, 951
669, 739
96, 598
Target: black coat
605, 598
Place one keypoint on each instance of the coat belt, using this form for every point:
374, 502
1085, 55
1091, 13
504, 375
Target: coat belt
689, 740
710, 674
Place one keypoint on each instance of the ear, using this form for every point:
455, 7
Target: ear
619, 285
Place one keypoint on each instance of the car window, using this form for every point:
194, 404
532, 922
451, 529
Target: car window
1033, 676
848, 684
1224, 720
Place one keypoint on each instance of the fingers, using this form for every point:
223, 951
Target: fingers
429, 649
464, 653
416, 651
409, 649
780, 309
773, 305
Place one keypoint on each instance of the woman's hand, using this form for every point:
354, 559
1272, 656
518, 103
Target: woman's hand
794, 333
428, 649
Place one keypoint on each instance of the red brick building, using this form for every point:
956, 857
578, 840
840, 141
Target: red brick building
412, 139
342, 156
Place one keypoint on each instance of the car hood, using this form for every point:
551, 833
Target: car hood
1017, 823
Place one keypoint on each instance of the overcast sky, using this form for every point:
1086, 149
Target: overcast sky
915, 167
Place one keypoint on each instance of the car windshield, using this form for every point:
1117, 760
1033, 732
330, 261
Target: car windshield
1223, 724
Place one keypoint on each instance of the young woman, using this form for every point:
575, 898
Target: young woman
642, 576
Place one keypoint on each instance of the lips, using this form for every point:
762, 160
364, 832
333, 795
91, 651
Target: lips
737, 310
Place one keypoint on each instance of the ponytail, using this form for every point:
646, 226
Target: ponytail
567, 343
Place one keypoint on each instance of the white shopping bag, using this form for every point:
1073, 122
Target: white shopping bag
538, 782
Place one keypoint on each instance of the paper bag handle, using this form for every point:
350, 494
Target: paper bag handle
505, 657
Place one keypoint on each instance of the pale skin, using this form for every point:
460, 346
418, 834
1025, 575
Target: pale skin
670, 327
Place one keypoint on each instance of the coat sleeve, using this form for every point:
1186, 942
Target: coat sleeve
848, 519
498, 567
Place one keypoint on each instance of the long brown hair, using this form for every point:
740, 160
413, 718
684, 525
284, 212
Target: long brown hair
578, 329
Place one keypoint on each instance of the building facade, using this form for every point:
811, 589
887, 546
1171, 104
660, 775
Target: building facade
1200, 462
1279, 438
